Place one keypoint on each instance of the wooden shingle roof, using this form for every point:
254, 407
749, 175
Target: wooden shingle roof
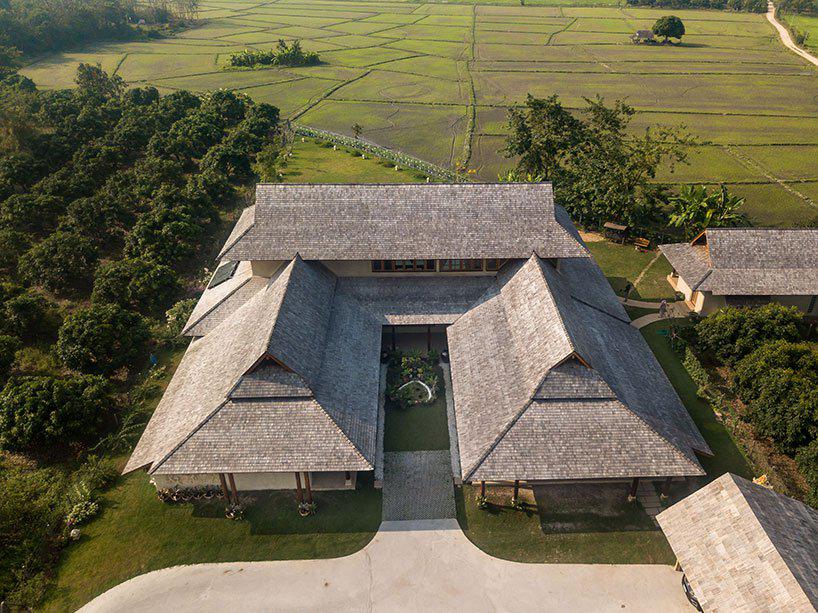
749, 261
366, 222
744, 547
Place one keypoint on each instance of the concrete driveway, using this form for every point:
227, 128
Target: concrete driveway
409, 566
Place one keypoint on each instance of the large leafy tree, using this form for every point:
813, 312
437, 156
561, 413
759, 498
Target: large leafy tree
600, 171
62, 263
138, 284
101, 339
669, 26
695, 209
42, 410
732, 333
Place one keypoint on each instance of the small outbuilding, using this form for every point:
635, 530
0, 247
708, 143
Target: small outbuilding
746, 267
643, 36
744, 547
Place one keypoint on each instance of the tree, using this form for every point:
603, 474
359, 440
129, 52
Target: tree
600, 171
695, 210
732, 333
29, 316
43, 410
356, 130
134, 283
807, 459
101, 339
9, 345
749, 377
12, 245
267, 163
787, 409
62, 262
669, 26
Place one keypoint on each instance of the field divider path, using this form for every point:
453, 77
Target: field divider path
471, 122
327, 94
751, 164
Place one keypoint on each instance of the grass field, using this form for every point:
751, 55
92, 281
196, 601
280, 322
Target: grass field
435, 80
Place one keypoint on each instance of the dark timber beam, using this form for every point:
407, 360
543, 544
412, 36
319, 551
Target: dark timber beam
516, 490
634, 486
483, 489
666, 487
309, 489
223, 483
300, 493
233, 488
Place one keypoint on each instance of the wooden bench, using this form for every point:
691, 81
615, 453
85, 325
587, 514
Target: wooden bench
641, 244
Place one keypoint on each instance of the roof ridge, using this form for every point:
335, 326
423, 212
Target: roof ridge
230, 244
155, 466
673, 447
217, 305
732, 477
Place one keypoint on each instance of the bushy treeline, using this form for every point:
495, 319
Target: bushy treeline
752, 6
797, 6
775, 374
37, 26
282, 55
107, 196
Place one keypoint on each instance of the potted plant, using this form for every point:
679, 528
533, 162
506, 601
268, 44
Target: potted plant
305, 509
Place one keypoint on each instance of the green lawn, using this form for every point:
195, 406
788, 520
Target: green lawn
137, 533
637, 312
728, 456
315, 162
576, 531
623, 263
420, 427
413, 74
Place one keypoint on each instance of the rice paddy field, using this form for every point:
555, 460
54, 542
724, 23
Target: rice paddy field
435, 80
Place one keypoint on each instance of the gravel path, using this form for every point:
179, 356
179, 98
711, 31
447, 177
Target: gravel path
786, 38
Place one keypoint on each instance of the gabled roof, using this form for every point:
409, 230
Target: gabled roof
363, 222
296, 343
544, 362
744, 547
749, 261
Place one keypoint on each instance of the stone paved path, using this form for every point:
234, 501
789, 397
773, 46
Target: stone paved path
649, 499
418, 485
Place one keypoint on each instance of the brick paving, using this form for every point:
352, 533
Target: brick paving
418, 485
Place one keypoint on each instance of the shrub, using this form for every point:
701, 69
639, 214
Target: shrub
101, 338
63, 261
135, 283
731, 333
39, 411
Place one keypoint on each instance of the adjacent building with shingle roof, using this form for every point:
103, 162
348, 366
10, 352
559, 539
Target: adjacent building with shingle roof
282, 379
745, 266
743, 547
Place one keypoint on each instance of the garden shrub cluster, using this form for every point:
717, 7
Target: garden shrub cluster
774, 373
412, 366
282, 55
106, 198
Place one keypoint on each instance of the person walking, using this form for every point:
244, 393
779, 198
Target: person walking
628, 289
663, 309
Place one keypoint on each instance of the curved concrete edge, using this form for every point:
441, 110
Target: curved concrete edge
408, 566
786, 39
